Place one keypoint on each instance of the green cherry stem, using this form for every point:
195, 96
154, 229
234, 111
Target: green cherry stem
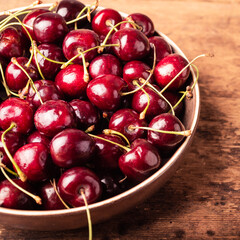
86, 77
109, 24
21, 175
5, 167
113, 132
53, 6
34, 44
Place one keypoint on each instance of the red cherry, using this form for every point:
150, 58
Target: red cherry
36, 137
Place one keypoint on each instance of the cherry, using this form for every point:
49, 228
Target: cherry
145, 23
105, 64
72, 81
141, 161
168, 68
28, 21
133, 44
104, 21
11, 197
134, 70
34, 161
50, 28
105, 92
11, 43
50, 200
18, 111
122, 119
71, 147
75, 180
87, 114
16, 78
54, 116
47, 91
53, 52
36, 137
80, 40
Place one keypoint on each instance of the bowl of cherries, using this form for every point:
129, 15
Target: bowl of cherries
97, 110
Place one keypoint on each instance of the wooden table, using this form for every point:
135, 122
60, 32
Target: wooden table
202, 200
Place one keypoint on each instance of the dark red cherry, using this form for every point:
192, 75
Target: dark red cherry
13, 142
105, 64
54, 116
71, 147
47, 91
50, 28
141, 161
18, 111
133, 44
11, 43
134, 70
87, 114
162, 47
11, 197
50, 200
78, 179
105, 92
34, 161
71, 81
16, 79
107, 154
104, 20
122, 119
80, 39
36, 137
53, 52
143, 21
168, 68
166, 122
28, 21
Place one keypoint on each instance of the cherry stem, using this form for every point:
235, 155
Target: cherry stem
4, 81
88, 214
21, 175
13, 23
34, 44
53, 183
5, 167
106, 140
109, 24
113, 132
185, 133
85, 71
90, 129
37, 199
53, 6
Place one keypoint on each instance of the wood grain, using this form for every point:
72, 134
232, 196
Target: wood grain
202, 200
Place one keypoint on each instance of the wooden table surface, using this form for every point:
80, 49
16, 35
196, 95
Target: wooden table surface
202, 200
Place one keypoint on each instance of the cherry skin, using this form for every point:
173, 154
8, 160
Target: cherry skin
143, 21
71, 81
54, 116
107, 154
100, 22
11, 197
36, 137
80, 39
105, 92
122, 119
71, 147
29, 19
166, 122
50, 28
13, 142
141, 161
51, 51
105, 64
34, 161
168, 68
133, 44
134, 70
87, 114
76, 179
16, 79
47, 91
18, 111
50, 200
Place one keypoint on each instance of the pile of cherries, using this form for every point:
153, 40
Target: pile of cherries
92, 104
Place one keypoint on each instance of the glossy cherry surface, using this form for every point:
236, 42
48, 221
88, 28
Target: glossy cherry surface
76, 179
36, 137
71, 147
168, 68
54, 116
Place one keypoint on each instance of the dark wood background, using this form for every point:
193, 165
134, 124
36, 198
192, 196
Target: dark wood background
202, 200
